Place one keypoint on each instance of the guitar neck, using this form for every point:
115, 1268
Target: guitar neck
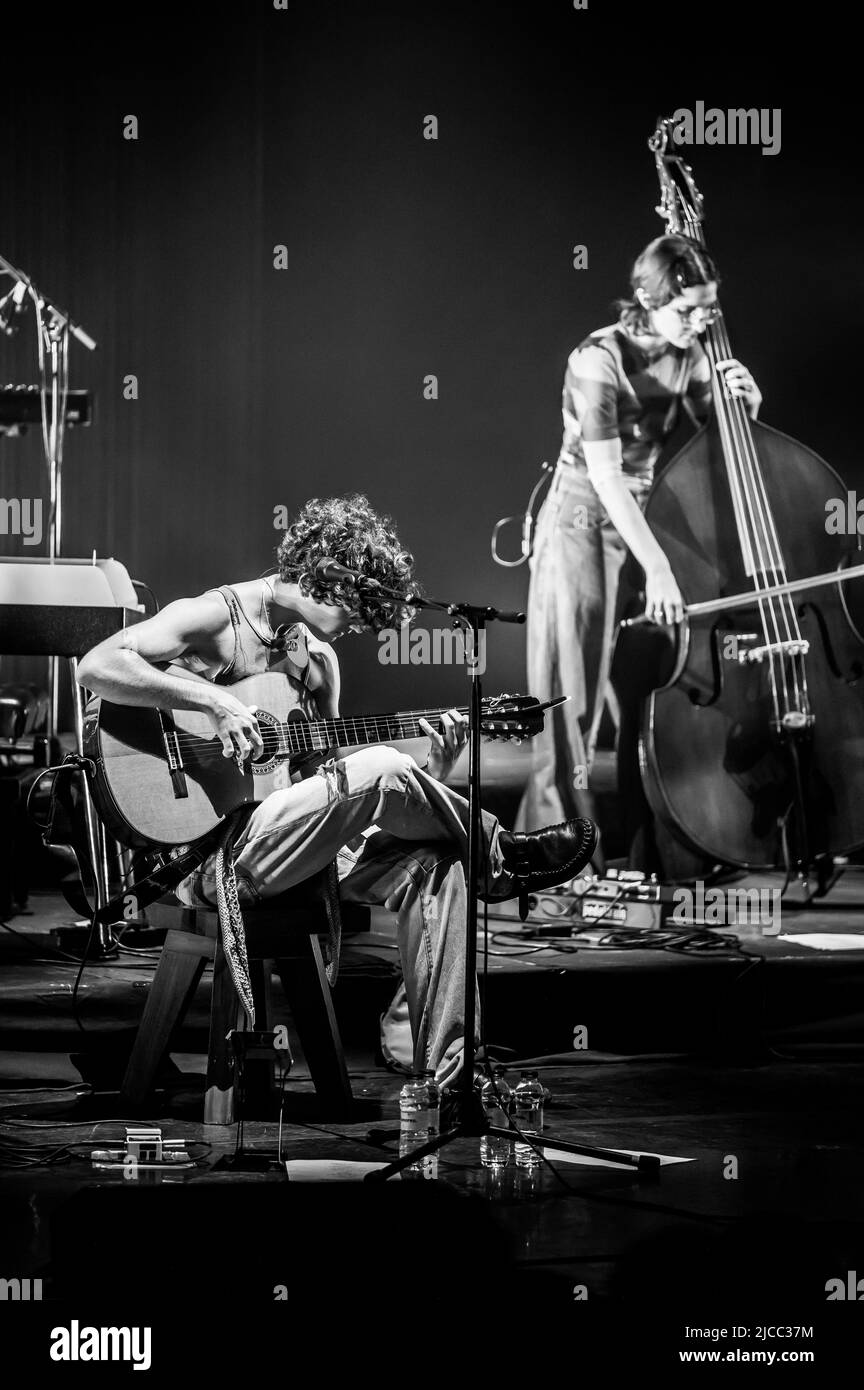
314, 735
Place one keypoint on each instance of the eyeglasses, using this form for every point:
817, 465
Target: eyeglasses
710, 312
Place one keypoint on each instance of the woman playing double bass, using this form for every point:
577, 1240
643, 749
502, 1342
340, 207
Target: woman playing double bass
625, 389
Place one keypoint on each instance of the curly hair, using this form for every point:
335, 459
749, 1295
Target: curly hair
349, 531
668, 265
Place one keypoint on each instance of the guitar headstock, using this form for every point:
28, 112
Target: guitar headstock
511, 716
681, 206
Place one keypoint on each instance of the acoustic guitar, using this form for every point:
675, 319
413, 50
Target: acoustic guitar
161, 777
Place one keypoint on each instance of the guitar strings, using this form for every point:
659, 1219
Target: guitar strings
198, 749
392, 723
315, 736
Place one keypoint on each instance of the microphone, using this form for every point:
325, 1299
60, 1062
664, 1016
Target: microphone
11, 309
331, 570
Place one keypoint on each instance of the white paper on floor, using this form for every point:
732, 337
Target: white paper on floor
328, 1169
562, 1156
826, 940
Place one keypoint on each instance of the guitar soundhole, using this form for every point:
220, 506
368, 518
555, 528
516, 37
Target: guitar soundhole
267, 760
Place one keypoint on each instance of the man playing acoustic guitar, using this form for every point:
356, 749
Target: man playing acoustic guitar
398, 834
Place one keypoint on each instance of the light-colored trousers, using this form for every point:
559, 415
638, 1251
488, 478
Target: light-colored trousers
575, 568
400, 839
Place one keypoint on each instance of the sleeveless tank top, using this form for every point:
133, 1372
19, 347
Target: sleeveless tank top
285, 651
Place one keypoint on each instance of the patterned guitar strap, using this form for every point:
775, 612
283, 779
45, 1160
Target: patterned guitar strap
231, 915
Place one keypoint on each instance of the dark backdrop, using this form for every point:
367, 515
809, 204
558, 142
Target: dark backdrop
260, 387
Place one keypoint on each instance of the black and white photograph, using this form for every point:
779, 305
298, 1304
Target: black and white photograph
431, 690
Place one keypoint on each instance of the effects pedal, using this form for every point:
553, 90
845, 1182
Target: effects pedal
145, 1151
623, 899
620, 900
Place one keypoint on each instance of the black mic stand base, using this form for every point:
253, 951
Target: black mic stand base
474, 1125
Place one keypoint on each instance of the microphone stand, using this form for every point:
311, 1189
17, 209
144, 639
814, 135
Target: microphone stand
55, 328
472, 1121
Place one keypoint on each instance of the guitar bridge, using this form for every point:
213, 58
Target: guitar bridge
171, 744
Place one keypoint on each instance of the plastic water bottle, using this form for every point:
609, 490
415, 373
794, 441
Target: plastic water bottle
528, 1098
419, 1114
496, 1152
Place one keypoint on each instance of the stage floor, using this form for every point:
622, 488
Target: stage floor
738, 1057
757, 1206
742, 1066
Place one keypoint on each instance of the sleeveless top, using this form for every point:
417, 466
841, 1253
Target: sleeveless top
285, 651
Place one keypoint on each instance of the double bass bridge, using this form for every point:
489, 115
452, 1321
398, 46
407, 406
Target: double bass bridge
794, 646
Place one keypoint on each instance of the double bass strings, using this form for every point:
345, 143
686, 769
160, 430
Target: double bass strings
718, 348
769, 556
752, 558
749, 499
757, 532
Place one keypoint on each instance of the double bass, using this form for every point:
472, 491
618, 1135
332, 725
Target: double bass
751, 738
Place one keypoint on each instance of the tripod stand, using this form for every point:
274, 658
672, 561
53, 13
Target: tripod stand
472, 1121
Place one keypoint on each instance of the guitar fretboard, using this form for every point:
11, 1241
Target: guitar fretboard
309, 736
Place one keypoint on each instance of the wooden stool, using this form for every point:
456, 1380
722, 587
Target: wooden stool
286, 931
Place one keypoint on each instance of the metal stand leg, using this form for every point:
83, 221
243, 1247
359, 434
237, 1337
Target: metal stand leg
102, 944
53, 698
54, 339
